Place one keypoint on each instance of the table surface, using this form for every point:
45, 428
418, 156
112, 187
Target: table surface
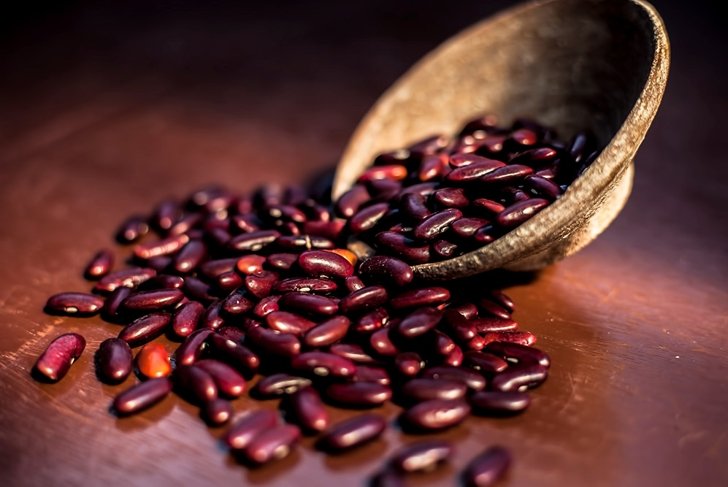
109, 107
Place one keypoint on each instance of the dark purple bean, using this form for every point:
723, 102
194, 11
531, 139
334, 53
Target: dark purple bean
253, 241
419, 390
485, 363
470, 378
473, 171
487, 468
353, 352
309, 303
266, 306
141, 396
328, 332
367, 218
364, 299
272, 444
99, 265
112, 305
279, 384
132, 230
74, 304
348, 204
427, 296
113, 361
518, 337
353, 283
228, 381
543, 187
188, 352
451, 198
499, 403
233, 353
519, 353
502, 299
241, 434
359, 394
165, 246
437, 223
372, 321
145, 329
273, 342
419, 322
55, 361
282, 262
237, 304
195, 384
217, 412
413, 205
189, 257
382, 344
404, 247
323, 364
261, 283
491, 324
353, 432
231, 333
155, 300
213, 268
466, 227
285, 322
436, 414
519, 378
199, 290
377, 375
386, 270
307, 410
492, 207
320, 263
130, 277
520, 211
490, 308
305, 285
513, 173
422, 456
408, 364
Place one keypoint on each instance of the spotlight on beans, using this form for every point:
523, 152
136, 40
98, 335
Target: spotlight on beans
228, 290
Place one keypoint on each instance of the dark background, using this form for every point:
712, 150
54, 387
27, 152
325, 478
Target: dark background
107, 107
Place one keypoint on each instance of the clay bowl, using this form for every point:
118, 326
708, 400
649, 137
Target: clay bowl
600, 65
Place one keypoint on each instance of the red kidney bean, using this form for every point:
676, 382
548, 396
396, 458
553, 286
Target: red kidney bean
353, 283
134, 228
422, 456
520, 337
408, 364
490, 308
419, 390
229, 281
279, 384
304, 242
451, 198
348, 204
519, 378
272, 444
307, 410
274, 342
485, 363
188, 352
519, 353
166, 214
56, 360
213, 268
395, 171
444, 248
364, 299
455, 357
436, 414
305, 285
404, 247
437, 223
285, 322
487, 468
372, 321
387, 270
227, 380
359, 394
231, 333
317, 263
459, 160
470, 378
473, 171
323, 364
353, 432
520, 211
195, 384
427, 296
141, 396
99, 265
377, 375
443, 344
236, 304
253, 241
266, 306
250, 264
382, 344
166, 246
328, 332
196, 289
189, 257
541, 186
74, 304
112, 305
187, 224
155, 300
281, 261
466, 227
242, 433
507, 175
234, 353
499, 403
162, 281
502, 299
419, 322
261, 283
153, 361
493, 324
145, 328
211, 318
367, 218
413, 206
113, 361
490, 206
309, 303
217, 412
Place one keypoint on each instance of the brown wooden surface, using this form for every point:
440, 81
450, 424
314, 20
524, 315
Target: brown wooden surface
107, 108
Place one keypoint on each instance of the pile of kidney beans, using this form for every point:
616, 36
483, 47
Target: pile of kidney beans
260, 289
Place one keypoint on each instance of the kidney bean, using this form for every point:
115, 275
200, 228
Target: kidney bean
367, 218
485, 363
372, 321
491, 308
281, 261
382, 344
227, 380
134, 228
196, 289
189, 257
451, 198
309, 303
74, 304
279, 384
377, 375
155, 300
234, 353
328, 332
359, 394
99, 265
153, 361
419, 390
491, 207
427, 296
261, 283
285, 322
323, 364
242, 433
266, 306
473, 171
422, 456
213, 268
404, 247
236, 304
253, 241
408, 364
353, 283
470, 378
387, 478
364, 299
541, 186
112, 306
195, 384
413, 206
436, 414
466, 227
493, 324
499, 403
419, 322
317, 263
274, 342
455, 357
145, 328
307, 410
348, 204
113, 361
231, 333
353, 432
188, 352
519, 378
387, 270
520, 211
166, 246
217, 412
519, 353
305, 285
487, 468
56, 360
141, 396
272, 444
437, 223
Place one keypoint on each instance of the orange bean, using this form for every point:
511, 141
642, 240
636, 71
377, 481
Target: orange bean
153, 361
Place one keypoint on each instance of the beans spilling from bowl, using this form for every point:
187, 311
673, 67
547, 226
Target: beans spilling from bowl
258, 294
442, 197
